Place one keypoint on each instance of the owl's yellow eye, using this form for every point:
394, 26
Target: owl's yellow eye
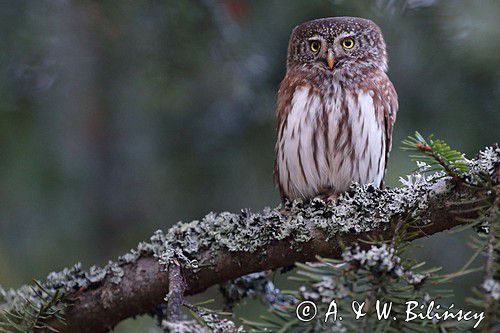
314, 45
348, 43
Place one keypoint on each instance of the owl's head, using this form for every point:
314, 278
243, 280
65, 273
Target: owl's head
337, 45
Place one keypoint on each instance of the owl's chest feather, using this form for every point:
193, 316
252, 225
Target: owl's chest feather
328, 141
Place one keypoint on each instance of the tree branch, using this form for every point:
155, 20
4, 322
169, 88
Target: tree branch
225, 246
145, 280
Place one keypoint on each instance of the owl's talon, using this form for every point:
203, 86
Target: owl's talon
285, 211
332, 198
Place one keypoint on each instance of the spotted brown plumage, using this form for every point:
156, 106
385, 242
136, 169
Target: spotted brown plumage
336, 109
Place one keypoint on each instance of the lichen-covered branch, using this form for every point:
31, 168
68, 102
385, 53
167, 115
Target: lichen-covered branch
225, 246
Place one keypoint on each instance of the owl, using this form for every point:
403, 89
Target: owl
336, 109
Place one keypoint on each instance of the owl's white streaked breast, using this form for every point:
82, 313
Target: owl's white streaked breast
329, 142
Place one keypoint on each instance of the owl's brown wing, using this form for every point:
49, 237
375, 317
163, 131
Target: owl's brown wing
285, 94
387, 109
284, 101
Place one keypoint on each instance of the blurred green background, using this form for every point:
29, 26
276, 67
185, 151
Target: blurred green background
121, 117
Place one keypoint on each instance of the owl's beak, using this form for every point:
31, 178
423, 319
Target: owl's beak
330, 60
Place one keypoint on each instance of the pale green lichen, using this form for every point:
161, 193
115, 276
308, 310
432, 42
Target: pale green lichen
186, 326
361, 209
207, 321
492, 288
382, 260
212, 325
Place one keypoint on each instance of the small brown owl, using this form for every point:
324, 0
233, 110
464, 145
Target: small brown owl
336, 109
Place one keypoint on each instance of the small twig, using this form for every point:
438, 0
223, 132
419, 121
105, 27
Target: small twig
450, 171
396, 232
490, 257
176, 288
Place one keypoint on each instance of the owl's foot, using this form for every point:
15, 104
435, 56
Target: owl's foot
332, 198
328, 196
285, 212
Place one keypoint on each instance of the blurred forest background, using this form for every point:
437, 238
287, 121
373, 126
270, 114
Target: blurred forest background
121, 117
